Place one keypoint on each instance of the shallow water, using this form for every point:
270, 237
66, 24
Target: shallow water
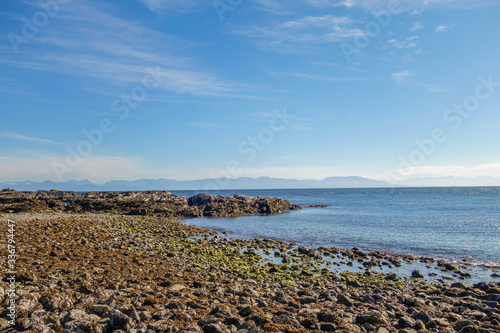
444, 223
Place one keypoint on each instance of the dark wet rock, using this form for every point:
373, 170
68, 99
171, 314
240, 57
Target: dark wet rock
343, 299
119, 320
417, 275
281, 297
406, 321
326, 317
470, 329
246, 311
261, 319
463, 323
423, 316
306, 300
207, 320
459, 285
327, 327
212, 328
235, 321
450, 267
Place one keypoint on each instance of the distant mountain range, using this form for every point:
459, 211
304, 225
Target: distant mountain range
197, 185
204, 185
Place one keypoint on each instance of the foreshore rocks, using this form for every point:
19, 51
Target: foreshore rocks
101, 273
141, 203
133, 268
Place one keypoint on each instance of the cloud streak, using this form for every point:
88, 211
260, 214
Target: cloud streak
411, 41
161, 6
403, 76
299, 34
415, 6
17, 136
443, 28
87, 41
313, 77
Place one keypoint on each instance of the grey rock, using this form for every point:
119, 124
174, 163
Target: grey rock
101, 310
212, 328
405, 322
246, 311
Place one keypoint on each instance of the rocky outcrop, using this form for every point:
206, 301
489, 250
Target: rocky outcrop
140, 203
238, 205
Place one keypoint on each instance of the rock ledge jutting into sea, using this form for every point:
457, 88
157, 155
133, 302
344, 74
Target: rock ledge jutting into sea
141, 203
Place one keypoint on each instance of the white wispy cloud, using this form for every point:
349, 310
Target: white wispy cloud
273, 7
417, 26
326, 64
161, 6
411, 41
443, 28
17, 136
300, 34
315, 77
412, 6
402, 77
89, 41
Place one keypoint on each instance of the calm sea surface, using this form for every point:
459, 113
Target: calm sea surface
447, 223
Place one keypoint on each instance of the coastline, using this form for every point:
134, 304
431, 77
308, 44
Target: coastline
359, 259
111, 272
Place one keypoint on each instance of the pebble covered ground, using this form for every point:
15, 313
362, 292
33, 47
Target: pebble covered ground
125, 273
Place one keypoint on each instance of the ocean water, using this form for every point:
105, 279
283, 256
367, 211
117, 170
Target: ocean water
444, 223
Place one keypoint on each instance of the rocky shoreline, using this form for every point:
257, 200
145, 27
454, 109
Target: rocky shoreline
161, 203
125, 273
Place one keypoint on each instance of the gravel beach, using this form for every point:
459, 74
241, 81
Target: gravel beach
128, 273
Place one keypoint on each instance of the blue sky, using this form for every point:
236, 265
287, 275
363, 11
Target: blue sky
198, 89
